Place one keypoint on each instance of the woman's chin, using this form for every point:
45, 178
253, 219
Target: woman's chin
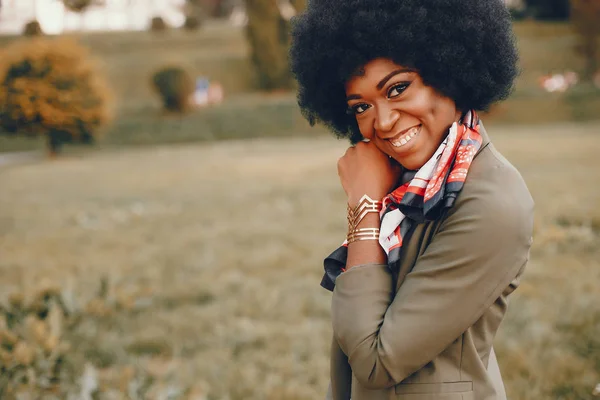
407, 155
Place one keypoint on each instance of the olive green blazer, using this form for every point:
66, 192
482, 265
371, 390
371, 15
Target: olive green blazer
424, 330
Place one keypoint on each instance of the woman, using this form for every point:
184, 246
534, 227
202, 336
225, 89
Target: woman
439, 223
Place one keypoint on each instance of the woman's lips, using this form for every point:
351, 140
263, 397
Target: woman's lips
404, 138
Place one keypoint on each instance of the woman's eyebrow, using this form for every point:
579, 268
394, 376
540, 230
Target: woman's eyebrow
389, 76
382, 83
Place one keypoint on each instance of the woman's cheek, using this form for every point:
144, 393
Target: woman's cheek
364, 127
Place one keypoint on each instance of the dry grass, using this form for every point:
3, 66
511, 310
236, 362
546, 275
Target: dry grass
214, 253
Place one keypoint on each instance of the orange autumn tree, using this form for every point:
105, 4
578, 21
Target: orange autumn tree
51, 88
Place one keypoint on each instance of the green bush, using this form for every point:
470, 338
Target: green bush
191, 23
157, 24
175, 87
32, 28
51, 88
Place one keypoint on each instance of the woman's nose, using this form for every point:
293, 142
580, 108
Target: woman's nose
386, 119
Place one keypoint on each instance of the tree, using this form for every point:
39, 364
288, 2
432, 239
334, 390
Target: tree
267, 32
51, 88
585, 19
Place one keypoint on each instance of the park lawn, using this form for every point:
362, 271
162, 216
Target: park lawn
211, 255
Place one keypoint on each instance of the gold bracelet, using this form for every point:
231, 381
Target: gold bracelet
365, 206
363, 234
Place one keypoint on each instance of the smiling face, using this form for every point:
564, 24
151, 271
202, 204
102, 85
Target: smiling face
395, 110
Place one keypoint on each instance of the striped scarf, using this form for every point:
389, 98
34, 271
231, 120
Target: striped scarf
425, 197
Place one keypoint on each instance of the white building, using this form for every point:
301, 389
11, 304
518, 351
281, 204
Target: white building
112, 15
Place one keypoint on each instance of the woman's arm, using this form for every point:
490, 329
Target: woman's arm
366, 251
365, 170
480, 248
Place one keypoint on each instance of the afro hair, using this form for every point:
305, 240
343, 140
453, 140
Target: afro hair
465, 49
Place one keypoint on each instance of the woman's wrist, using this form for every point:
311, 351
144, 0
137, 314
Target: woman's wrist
358, 230
363, 229
366, 251
375, 195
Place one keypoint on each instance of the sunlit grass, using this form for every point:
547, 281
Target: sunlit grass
215, 253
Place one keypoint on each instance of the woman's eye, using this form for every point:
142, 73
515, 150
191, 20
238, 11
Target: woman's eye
397, 90
358, 108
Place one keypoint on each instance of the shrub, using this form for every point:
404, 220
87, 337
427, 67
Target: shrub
32, 28
585, 17
51, 88
56, 343
77, 5
191, 23
175, 86
32, 349
157, 24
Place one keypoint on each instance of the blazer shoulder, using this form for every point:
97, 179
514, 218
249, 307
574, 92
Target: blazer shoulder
495, 201
495, 182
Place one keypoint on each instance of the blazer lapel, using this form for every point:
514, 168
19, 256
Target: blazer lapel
422, 234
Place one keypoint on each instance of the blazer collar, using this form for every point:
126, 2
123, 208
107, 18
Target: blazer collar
485, 139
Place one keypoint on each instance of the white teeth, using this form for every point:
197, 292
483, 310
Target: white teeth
406, 137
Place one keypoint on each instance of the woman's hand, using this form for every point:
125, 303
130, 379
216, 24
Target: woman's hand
365, 169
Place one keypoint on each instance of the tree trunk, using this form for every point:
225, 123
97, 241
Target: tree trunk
268, 35
54, 144
585, 15
590, 52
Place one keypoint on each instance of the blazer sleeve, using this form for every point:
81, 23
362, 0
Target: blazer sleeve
341, 373
478, 250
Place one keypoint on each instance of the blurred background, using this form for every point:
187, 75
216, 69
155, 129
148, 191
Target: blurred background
165, 209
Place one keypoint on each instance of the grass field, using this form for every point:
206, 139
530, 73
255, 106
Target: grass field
214, 253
